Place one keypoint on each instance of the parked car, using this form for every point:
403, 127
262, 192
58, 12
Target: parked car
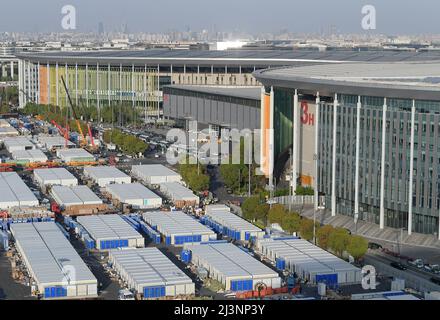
417, 263
435, 280
374, 246
398, 265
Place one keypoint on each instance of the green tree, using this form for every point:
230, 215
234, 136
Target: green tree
276, 214
249, 207
194, 176
339, 240
261, 212
306, 229
291, 222
323, 235
357, 247
304, 191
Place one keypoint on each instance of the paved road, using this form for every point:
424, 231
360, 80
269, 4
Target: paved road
9, 288
413, 279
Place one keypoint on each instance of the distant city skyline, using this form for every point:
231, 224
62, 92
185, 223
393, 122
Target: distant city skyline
247, 16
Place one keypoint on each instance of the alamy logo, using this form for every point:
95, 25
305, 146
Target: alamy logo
369, 19
68, 22
368, 278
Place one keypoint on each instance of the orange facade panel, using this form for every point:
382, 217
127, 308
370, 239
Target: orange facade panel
306, 181
44, 95
266, 134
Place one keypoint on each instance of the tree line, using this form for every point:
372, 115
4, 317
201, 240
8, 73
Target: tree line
126, 142
338, 240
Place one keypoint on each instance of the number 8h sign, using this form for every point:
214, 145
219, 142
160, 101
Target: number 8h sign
307, 118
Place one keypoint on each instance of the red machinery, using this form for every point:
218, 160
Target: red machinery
55, 208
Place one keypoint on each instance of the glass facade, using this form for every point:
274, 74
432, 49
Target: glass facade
426, 160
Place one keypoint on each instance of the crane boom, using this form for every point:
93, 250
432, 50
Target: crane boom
73, 111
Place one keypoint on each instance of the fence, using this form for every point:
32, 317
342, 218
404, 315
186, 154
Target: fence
297, 200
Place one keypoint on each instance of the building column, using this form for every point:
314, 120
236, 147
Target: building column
411, 169
49, 101
20, 85
358, 140
97, 94
145, 92
29, 86
295, 139
67, 85
271, 140
38, 82
132, 85
12, 70
108, 85
382, 166
57, 84
120, 83
335, 123
316, 153
76, 83
87, 85
262, 133
158, 90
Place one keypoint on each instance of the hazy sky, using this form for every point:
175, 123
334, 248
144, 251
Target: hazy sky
393, 16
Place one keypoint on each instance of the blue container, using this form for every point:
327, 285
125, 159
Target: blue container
154, 292
186, 256
168, 240
241, 285
280, 263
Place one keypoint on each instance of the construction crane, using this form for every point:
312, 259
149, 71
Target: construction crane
93, 147
78, 124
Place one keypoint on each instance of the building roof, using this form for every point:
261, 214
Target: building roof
73, 153
103, 172
251, 93
50, 141
145, 267
223, 215
54, 174
110, 226
153, 170
130, 191
19, 141
308, 256
75, 195
230, 261
35, 155
413, 80
228, 57
175, 223
14, 192
177, 191
49, 254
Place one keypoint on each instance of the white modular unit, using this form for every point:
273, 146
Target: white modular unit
135, 194
52, 262
75, 155
14, 192
233, 225
155, 174
105, 175
177, 192
149, 272
111, 232
17, 144
54, 176
309, 261
234, 268
34, 155
8, 132
178, 228
54, 142
75, 195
